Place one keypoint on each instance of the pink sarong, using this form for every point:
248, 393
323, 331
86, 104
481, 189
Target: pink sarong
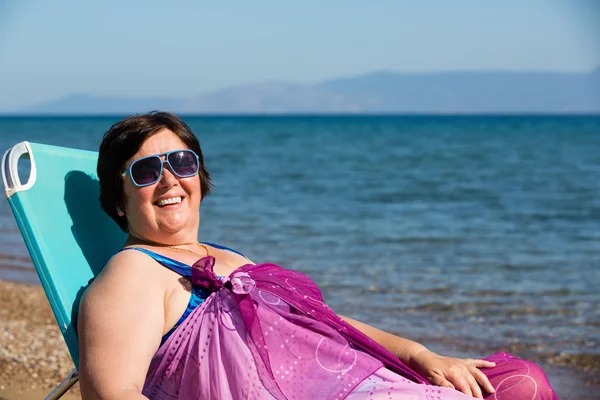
265, 333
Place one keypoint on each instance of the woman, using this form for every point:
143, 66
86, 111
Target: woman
170, 317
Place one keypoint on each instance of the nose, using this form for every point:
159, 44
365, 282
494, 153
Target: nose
168, 178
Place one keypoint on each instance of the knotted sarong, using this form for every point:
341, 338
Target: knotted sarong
265, 333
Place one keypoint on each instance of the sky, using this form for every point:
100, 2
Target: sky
145, 48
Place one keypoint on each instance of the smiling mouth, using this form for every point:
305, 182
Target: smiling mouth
170, 201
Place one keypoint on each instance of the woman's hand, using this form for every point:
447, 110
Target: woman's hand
463, 375
460, 374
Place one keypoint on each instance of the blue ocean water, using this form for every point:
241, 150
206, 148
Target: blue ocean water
470, 234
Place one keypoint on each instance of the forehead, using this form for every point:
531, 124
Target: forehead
162, 141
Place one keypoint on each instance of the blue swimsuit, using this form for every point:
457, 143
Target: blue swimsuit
198, 295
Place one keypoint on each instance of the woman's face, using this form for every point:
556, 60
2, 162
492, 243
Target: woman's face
148, 217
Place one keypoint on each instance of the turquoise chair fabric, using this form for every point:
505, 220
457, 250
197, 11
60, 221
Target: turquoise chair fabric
66, 232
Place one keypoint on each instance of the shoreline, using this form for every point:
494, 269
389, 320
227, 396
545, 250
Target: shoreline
34, 358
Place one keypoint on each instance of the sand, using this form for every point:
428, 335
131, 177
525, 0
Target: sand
33, 355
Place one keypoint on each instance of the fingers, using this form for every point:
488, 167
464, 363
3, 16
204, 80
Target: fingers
480, 363
461, 384
483, 381
466, 380
480, 376
475, 389
441, 381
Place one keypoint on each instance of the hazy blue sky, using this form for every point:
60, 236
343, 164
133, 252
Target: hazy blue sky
49, 49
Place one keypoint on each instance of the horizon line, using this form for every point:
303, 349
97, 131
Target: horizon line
311, 114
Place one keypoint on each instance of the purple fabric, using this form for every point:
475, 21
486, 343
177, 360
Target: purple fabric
266, 333
514, 378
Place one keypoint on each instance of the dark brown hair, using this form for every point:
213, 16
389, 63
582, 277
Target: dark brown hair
123, 140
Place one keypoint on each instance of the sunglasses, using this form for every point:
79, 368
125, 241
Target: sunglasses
146, 171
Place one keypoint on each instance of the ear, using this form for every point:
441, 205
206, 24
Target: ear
120, 212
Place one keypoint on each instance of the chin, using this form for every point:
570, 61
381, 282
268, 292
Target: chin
173, 228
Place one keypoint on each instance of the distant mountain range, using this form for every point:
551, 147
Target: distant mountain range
379, 92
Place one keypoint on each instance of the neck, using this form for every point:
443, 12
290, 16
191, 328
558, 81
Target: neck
132, 240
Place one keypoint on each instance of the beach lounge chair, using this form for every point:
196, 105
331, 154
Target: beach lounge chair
66, 232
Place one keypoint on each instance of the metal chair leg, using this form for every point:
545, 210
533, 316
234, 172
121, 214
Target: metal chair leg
64, 386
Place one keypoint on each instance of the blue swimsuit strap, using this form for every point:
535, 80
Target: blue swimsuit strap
197, 296
174, 265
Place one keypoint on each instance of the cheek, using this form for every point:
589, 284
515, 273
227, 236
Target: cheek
192, 186
134, 198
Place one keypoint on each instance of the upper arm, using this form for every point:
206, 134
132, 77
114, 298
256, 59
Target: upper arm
121, 320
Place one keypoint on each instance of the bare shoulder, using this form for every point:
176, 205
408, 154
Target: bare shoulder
127, 295
121, 318
127, 274
129, 265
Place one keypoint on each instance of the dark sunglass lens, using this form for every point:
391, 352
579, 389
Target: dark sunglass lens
184, 163
146, 171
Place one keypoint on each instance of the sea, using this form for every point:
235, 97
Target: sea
469, 234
